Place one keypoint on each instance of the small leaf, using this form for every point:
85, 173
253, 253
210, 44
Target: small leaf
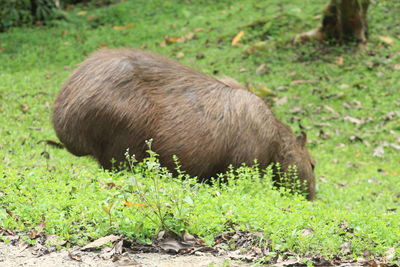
386, 40
237, 38
171, 40
81, 13
340, 61
124, 27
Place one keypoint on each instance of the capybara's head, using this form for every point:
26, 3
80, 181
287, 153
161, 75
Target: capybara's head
297, 155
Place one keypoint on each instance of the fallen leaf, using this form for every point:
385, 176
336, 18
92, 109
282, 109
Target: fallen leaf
180, 55
397, 147
81, 13
378, 152
91, 17
355, 138
395, 67
237, 38
324, 135
34, 234
199, 29
297, 110
340, 61
101, 242
300, 82
353, 120
386, 40
128, 262
74, 256
346, 248
54, 240
390, 253
257, 47
171, 40
128, 203
262, 70
281, 101
200, 56
12, 214
2, 49
24, 107
124, 27
307, 231
188, 36
103, 44
331, 110
323, 179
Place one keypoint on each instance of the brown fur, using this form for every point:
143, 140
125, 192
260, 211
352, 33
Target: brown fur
117, 99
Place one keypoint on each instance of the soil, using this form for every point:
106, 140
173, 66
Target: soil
22, 255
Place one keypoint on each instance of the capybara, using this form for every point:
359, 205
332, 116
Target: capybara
119, 98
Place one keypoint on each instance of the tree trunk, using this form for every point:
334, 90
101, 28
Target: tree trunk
343, 21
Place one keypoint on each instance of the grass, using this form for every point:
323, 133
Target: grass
357, 195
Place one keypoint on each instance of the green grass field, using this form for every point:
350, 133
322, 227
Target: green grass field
347, 102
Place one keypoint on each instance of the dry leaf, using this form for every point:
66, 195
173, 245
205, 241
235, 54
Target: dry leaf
297, 110
128, 203
34, 234
237, 38
124, 27
281, 101
340, 61
353, 120
54, 240
200, 56
24, 107
81, 13
346, 248
2, 49
396, 67
378, 152
390, 253
171, 40
91, 17
324, 135
331, 110
386, 40
180, 55
101, 242
74, 256
307, 231
300, 82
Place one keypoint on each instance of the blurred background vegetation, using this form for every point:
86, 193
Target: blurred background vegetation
38, 12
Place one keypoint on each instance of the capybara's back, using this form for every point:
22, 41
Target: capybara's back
118, 99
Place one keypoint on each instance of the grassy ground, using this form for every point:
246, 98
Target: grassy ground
348, 103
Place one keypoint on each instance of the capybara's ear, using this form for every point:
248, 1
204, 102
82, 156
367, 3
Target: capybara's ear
302, 139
